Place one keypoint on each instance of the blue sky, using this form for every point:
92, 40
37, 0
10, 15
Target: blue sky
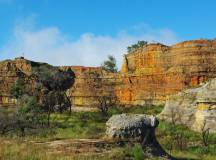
84, 32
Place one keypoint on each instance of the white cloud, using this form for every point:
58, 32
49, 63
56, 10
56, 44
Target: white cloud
52, 46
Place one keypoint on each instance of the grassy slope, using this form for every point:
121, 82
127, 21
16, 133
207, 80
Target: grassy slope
92, 125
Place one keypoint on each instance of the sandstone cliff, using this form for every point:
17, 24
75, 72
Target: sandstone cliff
90, 83
156, 70
29, 71
8, 75
195, 108
148, 74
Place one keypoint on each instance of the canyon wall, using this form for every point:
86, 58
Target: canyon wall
157, 70
30, 75
147, 75
10, 71
90, 84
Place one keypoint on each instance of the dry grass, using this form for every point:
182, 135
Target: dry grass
92, 125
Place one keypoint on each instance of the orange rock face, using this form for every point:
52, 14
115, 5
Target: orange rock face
90, 83
9, 73
149, 74
157, 70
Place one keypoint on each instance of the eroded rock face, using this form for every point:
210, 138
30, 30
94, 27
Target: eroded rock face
156, 70
129, 125
9, 73
195, 108
12, 70
90, 83
148, 74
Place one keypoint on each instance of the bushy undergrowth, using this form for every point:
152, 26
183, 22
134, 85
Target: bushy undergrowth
92, 125
138, 153
189, 143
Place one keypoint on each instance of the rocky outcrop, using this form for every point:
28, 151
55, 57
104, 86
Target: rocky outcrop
156, 70
127, 126
9, 73
90, 83
31, 73
195, 108
148, 74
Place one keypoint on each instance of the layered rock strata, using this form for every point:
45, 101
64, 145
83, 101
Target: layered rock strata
148, 74
12, 70
156, 70
89, 85
8, 75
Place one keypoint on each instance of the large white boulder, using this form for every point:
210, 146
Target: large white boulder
129, 125
195, 108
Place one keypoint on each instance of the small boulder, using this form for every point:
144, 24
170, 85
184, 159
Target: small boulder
125, 126
129, 125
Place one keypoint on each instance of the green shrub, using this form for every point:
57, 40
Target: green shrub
138, 153
110, 64
134, 47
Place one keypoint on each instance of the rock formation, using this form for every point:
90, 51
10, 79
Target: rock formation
9, 73
148, 74
90, 83
129, 125
136, 125
12, 70
195, 108
156, 70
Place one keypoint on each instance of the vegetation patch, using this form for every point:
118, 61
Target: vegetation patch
91, 125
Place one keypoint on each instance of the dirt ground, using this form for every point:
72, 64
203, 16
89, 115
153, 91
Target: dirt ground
81, 146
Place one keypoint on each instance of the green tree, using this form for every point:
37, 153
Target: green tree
18, 89
55, 82
138, 153
37, 102
29, 115
106, 101
28, 118
110, 64
54, 79
134, 47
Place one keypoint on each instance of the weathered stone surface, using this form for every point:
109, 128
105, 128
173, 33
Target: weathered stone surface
195, 108
129, 125
11, 70
141, 126
148, 74
9, 73
156, 70
90, 83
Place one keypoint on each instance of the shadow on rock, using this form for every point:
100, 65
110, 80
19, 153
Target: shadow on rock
129, 126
